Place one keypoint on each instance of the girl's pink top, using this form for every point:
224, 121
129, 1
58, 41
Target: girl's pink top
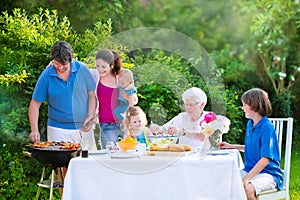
108, 101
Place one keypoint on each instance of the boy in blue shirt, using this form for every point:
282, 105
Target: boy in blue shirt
262, 160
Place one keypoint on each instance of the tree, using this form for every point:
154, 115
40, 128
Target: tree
212, 23
277, 33
82, 14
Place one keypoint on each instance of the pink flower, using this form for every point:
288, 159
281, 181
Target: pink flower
209, 117
213, 122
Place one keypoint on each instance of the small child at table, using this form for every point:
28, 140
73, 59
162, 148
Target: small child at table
262, 162
136, 125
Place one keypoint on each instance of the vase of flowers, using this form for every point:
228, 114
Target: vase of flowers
215, 126
215, 139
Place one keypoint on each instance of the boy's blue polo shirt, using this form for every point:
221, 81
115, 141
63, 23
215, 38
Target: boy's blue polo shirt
261, 141
67, 100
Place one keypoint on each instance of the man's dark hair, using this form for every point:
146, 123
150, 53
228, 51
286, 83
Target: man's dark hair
62, 52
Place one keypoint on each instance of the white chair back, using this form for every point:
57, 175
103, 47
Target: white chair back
284, 131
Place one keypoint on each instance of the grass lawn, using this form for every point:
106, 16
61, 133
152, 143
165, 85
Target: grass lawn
295, 175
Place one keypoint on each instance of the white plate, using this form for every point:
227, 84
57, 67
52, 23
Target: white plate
102, 151
98, 152
218, 152
124, 155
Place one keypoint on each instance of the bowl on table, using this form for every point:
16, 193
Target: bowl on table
163, 139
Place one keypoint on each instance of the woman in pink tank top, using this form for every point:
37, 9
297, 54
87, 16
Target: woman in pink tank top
109, 65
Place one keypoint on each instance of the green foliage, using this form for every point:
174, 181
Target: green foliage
212, 23
26, 42
236, 115
90, 41
159, 102
81, 13
276, 31
12, 78
295, 175
281, 105
19, 175
234, 71
161, 78
166, 69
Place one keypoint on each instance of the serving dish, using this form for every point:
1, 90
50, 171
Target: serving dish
163, 139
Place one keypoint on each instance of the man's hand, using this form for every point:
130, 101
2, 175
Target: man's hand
34, 137
88, 124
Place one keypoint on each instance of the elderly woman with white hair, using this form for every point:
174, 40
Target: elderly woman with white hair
186, 124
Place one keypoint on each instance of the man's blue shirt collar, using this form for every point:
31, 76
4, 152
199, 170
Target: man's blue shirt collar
73, 68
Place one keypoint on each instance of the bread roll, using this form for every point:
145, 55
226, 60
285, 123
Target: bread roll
187, 148
176, 148
162, 147
153, 148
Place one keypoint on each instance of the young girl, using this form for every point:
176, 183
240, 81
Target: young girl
136, 125
262, 162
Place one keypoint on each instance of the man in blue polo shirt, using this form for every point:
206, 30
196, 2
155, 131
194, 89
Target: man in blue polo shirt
69, 88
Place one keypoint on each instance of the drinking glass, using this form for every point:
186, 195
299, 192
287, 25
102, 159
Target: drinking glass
110, 146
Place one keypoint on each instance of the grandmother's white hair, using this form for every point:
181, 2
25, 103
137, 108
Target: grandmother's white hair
196, 93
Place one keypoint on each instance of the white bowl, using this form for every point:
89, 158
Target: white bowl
163, 139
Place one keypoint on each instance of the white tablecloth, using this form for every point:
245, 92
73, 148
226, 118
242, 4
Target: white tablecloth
192, 177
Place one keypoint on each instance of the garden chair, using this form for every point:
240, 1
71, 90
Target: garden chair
282, 126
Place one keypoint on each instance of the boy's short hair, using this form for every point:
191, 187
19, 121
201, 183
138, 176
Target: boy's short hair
258, 101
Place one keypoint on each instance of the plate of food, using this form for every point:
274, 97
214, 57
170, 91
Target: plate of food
169, 150
163, 139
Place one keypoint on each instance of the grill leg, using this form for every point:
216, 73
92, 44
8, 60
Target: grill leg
60, 179
51, 184
39, 188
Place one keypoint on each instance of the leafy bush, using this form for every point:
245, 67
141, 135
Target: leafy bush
236, 115
27, 42
233, 68
159, 102
161, 78
19, 175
